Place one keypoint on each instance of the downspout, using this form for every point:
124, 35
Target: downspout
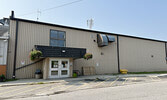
15, 52
166, 52
118, 54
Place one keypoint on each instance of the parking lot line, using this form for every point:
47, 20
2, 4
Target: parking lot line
159, 78
30, 90
4, 88
70, 86
150, 78
153, 78
49, 89
59, 85
85, 84
156, 78
125, 81
15, 90
103, 81
135, 80
114, 81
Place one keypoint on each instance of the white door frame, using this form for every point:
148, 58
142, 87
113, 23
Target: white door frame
59, 69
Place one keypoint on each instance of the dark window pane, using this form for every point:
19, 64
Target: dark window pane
61, 43
54, 72
54, 42
64, 72
55, 64
54, 34
57, 38
64, 64
61, 35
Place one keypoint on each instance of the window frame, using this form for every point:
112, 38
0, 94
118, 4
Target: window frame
57, 38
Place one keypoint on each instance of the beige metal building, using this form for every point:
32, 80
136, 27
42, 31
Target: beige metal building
63, 48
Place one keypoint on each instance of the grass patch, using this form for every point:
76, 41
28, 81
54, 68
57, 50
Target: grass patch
40, 83
155, 72
35, 83
116, 74
7, 80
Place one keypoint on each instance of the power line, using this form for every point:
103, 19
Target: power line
62, 5
44, 10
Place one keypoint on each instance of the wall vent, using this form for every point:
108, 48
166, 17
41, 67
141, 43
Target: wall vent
102, 40
111, 38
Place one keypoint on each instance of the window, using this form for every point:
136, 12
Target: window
55, 64
54, 72
64, 64
64, 72
57, 38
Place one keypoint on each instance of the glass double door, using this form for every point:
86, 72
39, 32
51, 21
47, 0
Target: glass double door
59, 68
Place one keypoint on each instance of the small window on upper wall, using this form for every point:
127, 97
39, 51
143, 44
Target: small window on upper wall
57, 38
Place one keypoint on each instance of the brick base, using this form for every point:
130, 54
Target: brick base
3, 70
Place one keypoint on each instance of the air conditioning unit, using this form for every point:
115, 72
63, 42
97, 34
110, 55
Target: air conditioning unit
102, 40
111, 38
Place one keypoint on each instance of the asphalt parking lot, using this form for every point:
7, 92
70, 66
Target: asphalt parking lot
40, 89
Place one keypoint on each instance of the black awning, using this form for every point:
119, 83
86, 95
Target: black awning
51, 51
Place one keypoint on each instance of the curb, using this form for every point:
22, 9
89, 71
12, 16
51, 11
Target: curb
31, 83
81, 78
38, 83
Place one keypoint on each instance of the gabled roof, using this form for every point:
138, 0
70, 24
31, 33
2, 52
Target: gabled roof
81, 29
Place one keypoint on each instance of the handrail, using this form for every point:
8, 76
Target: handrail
30, 64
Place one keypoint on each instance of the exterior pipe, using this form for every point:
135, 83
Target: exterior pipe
166, 52
15, 52
118, 54
29, 64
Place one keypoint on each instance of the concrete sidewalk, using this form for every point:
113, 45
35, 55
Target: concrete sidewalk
42, 81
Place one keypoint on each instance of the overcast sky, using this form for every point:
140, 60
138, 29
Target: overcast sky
142, 18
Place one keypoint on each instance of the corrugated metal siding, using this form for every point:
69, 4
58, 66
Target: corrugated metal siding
11, 49
34, 34
28, 36
107, 62
81, 39
136, 55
